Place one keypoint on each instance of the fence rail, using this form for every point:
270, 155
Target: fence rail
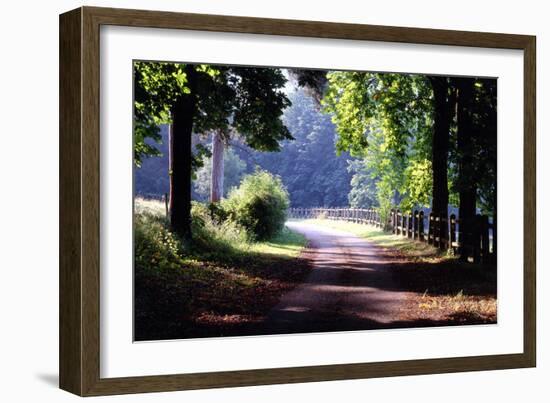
438, 230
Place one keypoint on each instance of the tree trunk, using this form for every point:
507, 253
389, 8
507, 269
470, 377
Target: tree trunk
183, 112
467, 187
440, 146
216, 182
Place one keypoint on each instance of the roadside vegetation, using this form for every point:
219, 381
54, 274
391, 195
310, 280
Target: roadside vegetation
442, 289
224, 277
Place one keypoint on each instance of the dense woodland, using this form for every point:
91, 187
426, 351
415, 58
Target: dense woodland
309, 179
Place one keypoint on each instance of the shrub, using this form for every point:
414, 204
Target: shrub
155, 246
259, 205
212, 232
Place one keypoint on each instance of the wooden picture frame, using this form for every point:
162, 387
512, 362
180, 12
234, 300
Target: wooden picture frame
80, 199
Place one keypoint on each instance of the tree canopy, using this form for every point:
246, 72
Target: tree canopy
385, 119
198, 99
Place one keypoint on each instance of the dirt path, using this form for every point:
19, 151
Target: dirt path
350, 286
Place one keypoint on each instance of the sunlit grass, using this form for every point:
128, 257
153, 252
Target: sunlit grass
460, 308
382, 238
150, 206
286, 243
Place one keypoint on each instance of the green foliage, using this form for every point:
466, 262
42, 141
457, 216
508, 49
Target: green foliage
234, 170
213, 234
249, 100
154, 245
259, 103
387, 120
363, 185
417, 184
385, 193
157, 86
259, 204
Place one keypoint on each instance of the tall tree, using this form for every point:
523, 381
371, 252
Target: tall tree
443, 103
203, 98
234, 170
257, 105
183, 111
171, 93
465, 183
217, 173
475, 155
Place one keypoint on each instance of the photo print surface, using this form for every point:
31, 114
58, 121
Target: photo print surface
282, 200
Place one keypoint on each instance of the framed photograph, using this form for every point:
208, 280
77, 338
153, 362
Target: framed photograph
248, 201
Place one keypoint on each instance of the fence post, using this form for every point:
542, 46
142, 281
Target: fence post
437, 230
397, 221
452, 233
445, 230
494, 239
416, 232
421, 226
484, 229
399, 230
431, 238
476, 239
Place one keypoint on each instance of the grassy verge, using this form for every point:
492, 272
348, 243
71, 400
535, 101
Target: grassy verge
441, 288
288, 243
219, 284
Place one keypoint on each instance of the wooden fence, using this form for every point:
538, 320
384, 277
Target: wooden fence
440, 231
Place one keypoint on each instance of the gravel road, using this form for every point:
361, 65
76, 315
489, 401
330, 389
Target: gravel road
350, 286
